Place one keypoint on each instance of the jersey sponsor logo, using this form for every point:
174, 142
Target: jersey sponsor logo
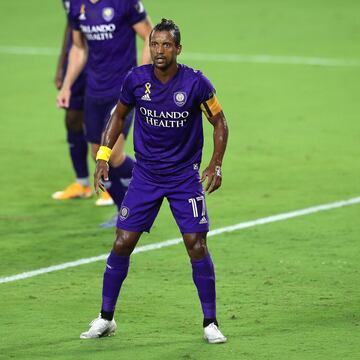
98, 32
164, 114
139, 7
108, 13
180, 98
82, 12
124, 213
167, 119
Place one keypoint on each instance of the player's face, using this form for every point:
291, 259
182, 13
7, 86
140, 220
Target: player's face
163, 49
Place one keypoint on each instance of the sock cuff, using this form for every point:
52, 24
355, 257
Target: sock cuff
118, 261
83, 181
203, 267
204, 260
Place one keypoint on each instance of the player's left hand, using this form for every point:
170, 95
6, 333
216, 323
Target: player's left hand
101, 174
213, 173
63, 98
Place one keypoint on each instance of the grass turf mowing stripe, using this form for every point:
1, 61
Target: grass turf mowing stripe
159, 245
232, 58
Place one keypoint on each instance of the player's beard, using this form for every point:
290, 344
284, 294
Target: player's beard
164, 64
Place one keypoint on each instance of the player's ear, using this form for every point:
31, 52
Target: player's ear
178, 50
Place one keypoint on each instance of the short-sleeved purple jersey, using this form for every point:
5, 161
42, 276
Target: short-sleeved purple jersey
108, 27
168, 131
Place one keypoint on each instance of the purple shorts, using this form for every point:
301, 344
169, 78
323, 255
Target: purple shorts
97, 114
144, 197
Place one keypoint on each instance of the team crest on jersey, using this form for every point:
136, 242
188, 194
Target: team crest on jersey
82, 13
146, 95
108, 13
124, 213
180, 98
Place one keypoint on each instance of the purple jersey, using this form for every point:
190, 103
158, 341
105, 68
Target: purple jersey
168, 131
108, 27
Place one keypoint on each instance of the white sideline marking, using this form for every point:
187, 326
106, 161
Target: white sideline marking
231, 58
171, 242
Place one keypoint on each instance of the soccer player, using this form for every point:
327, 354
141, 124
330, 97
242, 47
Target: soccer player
168, 141
104, 35
74, 124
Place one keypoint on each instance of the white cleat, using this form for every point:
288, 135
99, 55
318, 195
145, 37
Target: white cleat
99, 327
213, 335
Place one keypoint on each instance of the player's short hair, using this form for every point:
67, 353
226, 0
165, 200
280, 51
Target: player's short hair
168, 25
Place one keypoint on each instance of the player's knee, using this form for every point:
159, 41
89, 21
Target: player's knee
74, 121
196, 246
124, 244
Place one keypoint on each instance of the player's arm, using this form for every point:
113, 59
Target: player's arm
62, 57
111, 133
212, 110
143, 29
76, 63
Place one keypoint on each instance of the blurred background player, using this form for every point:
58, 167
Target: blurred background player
74, 122
168, 140
104, 37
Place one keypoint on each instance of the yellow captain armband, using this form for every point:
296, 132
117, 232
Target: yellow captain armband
211, 107
103, 153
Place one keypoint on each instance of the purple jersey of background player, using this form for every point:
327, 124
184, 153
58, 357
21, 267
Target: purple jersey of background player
111, 39
168, 130
78, 88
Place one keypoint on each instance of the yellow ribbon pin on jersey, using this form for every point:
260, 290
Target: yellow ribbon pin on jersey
147, 88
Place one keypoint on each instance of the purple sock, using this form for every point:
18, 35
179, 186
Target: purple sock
78, 152
204, 279
115, 273
120, 177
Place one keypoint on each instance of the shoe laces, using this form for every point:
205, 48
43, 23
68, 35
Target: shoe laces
213, 326
96, 320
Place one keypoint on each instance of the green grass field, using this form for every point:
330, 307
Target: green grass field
286, 290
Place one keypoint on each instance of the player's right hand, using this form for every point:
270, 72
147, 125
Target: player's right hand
101, 174
63, 98
213, 173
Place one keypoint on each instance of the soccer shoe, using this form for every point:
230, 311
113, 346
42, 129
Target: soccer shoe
213, 335
99, 327
73, 191
104, 200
